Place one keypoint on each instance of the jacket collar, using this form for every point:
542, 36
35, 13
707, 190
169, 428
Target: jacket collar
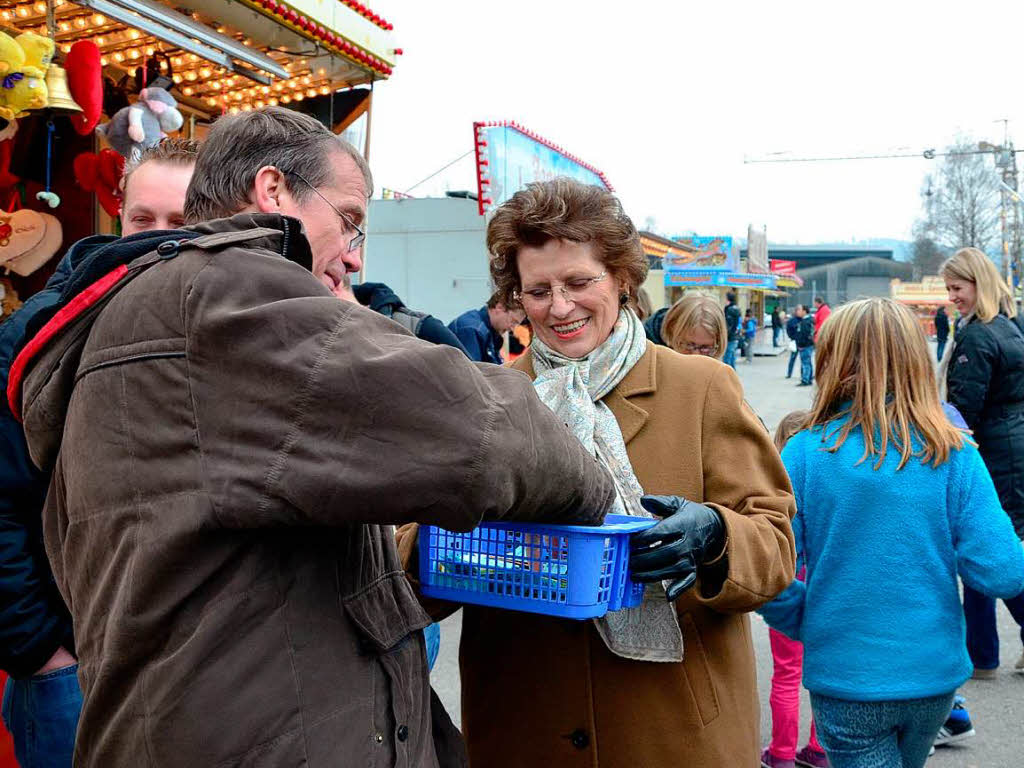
283, 234
641, 380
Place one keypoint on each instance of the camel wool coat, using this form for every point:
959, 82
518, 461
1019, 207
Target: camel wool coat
540, 691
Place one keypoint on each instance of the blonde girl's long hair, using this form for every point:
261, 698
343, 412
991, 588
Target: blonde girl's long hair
973, 266
874, 367
695, 311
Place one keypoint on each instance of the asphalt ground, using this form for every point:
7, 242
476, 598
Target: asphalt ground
996, 706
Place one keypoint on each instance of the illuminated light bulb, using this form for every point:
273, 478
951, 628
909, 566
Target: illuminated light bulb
66, 48
190, 76
265, 90
278, 87
205, 72
163, 64
212, 102
247, 107
272, 102
307, 80
259, 104
247, 41
188, 91
299, 96
134, 34
150, 50
311, 92
22, 11
222, 30
6, 15
177, 79
193, 57
119, 57
40, 7
233, 111
324, 90
81, 23
238, 96
321, 71
103, 61
133, 53
100, 42
176, 61
99, 19
230, 81
286, 99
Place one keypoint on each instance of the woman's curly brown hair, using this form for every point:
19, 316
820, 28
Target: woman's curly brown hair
564, 209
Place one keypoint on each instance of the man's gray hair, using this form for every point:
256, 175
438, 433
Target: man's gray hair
239, 145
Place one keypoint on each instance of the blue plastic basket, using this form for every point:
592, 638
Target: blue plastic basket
572, 571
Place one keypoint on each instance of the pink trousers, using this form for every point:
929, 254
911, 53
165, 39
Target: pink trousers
788, 656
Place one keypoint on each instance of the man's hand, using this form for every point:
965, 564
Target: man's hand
60, 659
689, 535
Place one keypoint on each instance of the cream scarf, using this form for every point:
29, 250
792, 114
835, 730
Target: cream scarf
573, 389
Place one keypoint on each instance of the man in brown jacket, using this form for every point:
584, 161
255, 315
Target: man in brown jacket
229, 444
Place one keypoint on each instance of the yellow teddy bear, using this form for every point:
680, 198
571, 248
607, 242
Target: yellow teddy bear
12, 55
38, 53
25, 92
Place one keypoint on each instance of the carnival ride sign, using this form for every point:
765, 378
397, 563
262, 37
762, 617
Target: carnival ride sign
508, 157
709, 253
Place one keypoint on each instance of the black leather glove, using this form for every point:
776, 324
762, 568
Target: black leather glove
674, 548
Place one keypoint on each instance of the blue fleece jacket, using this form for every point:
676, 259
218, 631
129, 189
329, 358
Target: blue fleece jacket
879, 613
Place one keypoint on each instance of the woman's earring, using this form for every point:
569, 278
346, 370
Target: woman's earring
623, 299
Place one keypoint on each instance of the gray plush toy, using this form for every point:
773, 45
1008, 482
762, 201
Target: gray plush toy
142, 124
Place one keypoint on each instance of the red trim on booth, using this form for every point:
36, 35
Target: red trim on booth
68, 313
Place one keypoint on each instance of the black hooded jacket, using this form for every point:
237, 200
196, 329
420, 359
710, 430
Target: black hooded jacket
381, 299
985, 382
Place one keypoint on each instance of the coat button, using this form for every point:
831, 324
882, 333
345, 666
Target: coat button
378, 738
579, 738
402, 733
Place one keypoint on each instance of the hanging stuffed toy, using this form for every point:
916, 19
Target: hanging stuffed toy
48, 196
24, 88
85, 81
144, 123
12, 55
101, 174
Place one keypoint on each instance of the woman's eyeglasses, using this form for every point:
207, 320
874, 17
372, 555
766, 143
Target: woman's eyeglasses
571, 290
697, 349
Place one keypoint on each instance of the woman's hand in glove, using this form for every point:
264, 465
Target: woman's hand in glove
688, 535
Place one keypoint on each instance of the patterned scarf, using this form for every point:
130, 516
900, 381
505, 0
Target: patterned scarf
573, 389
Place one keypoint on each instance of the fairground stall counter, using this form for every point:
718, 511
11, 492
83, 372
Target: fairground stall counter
924, 299
84, 85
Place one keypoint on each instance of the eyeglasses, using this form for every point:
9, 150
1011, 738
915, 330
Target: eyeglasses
696, 349
360, 236
571, 290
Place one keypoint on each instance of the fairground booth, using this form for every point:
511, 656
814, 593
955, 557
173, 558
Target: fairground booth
85, 85
924, 298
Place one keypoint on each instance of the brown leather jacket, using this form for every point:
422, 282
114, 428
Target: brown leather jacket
229, 445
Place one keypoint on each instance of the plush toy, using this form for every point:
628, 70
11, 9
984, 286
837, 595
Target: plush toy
85, 81
38, 53
20, 92
144, 123
12, 55
101, 174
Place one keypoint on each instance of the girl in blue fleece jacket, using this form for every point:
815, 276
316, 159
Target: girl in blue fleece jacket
893, 503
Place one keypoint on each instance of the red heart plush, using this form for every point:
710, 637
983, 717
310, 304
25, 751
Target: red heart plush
85, 170
85, 81
110, 168
101, 174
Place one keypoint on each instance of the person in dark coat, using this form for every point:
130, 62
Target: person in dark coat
382, 300
733, 321
792, 323
653, 324
776, 326
941, 331
481, 330
805, 345
983, 372
37, 645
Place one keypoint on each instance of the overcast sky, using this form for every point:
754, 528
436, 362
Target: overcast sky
667, 98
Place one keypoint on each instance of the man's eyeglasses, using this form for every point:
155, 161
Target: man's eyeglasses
360, 236
571, 290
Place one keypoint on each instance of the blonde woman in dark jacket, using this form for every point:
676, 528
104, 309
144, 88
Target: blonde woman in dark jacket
983, 375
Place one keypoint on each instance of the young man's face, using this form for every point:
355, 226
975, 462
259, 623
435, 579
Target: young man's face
154, 197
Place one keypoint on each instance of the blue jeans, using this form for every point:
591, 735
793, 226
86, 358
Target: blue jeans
940, 348
432, 636
776, 332
730, 353
982, 635
792, 360
879, 734
807, 365
42, 715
